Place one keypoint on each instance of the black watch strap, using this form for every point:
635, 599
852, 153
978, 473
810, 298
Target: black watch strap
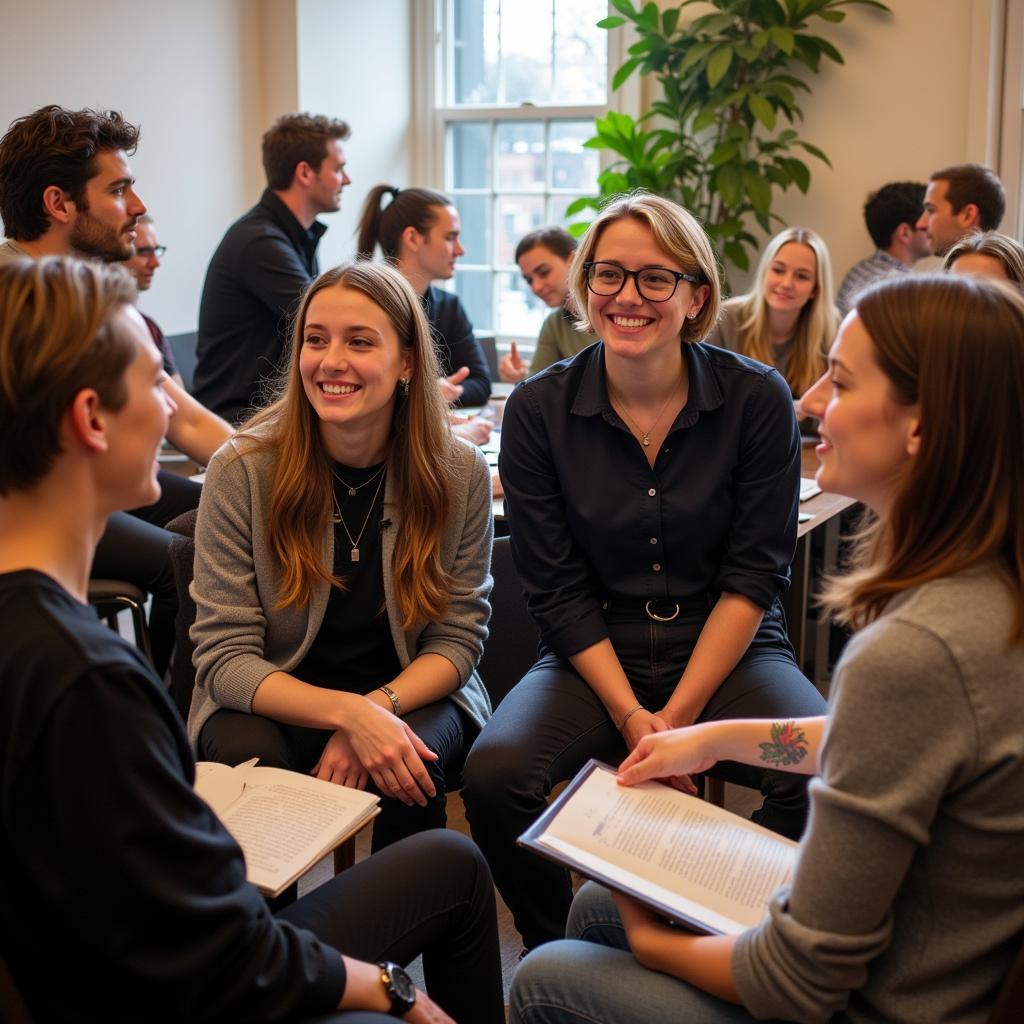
399, 988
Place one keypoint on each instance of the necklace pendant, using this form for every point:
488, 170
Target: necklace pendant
646, 442
354, 556
351, 492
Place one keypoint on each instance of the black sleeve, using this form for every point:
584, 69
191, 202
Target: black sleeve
460, 348
274, 273
163, 920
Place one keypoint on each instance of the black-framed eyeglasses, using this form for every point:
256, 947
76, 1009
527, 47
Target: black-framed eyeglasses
655, 284
151, 250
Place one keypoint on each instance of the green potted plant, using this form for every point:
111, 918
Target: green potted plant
721, 139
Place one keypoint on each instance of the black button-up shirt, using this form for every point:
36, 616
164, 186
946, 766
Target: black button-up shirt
253, 284
457, 345
591, 520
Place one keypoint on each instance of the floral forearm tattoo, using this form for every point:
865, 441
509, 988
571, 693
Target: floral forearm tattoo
788, 745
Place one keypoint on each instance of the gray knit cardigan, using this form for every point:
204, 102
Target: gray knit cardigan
240, 634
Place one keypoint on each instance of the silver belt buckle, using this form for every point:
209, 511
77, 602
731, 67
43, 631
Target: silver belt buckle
661, 618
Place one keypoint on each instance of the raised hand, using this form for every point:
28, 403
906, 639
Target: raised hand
512, 368
451, 386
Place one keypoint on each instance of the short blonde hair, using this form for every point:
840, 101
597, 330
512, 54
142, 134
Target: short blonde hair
1008, 251
678, 234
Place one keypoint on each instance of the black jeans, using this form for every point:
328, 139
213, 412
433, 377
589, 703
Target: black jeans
134, 548
232, 737
551, 723
429, 894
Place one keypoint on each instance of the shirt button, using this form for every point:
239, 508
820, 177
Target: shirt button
656, 567
654, 540
652, 492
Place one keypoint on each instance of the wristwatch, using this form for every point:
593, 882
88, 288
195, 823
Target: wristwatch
399, 987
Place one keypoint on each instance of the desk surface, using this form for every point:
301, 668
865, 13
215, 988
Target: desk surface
822, 507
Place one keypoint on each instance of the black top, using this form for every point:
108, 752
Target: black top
456, 345
353, 649
590, 519
123, 895
253, 283
170, 367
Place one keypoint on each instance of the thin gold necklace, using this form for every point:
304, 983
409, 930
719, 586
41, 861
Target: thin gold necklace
339, 518
352, 490
645, 435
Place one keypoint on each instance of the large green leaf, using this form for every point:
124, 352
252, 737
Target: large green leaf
728, 182
784, 39
758, 189
669, 20
695, 54
722, 152
814, 151
614, 21
799, 172
762, 110
718, 64
737, 254
625, 71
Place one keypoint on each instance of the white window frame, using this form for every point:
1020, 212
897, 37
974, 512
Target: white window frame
432, 117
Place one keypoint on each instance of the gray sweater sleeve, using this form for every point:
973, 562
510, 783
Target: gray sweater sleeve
898, 700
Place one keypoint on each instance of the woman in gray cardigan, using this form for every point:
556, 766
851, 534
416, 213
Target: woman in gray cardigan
907, 900
342, 564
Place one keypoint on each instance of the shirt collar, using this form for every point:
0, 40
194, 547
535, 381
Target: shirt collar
704, 394
275, 206
881, 256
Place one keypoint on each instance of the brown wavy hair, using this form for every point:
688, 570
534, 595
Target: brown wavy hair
955, 347
1008, 251
420, 459
58, 335
294, 139
383, 226
53, 146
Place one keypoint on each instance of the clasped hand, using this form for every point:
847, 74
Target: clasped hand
374, 744
668, 755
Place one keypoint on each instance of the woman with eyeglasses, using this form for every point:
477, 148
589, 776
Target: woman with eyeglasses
651, 489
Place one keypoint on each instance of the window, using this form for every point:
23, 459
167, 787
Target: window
516, 85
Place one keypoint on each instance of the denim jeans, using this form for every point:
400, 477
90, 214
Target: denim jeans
551, 722
592, 978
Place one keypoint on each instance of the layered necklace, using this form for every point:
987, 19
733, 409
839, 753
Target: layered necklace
338, 517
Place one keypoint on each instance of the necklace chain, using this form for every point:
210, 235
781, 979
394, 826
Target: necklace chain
352, 490
339, 518
645, 435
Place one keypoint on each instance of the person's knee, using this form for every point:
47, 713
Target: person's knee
592, 907
449, 855
492, 769
538, 982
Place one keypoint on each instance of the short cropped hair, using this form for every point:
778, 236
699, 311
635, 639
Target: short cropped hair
53, 146
58, 335
678, 234
900, 202
296, 138
557, 239
974, 183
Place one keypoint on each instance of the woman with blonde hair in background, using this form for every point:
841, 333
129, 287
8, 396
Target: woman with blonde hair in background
342, 564
788, 319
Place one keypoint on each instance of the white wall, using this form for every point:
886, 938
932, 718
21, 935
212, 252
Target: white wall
183, 71
354, 63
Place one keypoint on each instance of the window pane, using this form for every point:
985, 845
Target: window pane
581, 52
556, 211
476, 223
572, 166
520, 312
515, 216
470, 154
526, 27
520, 146
474, 289
474, 51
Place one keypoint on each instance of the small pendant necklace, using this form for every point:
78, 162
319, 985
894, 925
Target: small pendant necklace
339, 518
352, 490
645, 435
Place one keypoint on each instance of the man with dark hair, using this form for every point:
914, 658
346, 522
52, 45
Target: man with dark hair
891, 215
65, 184
961, 199
265, 261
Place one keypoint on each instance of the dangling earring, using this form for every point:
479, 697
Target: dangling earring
403, 386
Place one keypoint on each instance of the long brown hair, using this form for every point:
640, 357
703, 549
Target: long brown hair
420, 459
955, 347
816, 326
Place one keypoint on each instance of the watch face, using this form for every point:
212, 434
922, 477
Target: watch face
402, 984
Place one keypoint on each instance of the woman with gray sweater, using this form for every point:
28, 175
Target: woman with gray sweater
907, 902
342, 564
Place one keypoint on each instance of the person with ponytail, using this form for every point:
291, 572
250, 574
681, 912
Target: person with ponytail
907, 899
418, 230
342, 564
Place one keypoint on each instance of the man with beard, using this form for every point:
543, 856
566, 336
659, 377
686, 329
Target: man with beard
66, 189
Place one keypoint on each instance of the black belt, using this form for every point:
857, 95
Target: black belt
658, 609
